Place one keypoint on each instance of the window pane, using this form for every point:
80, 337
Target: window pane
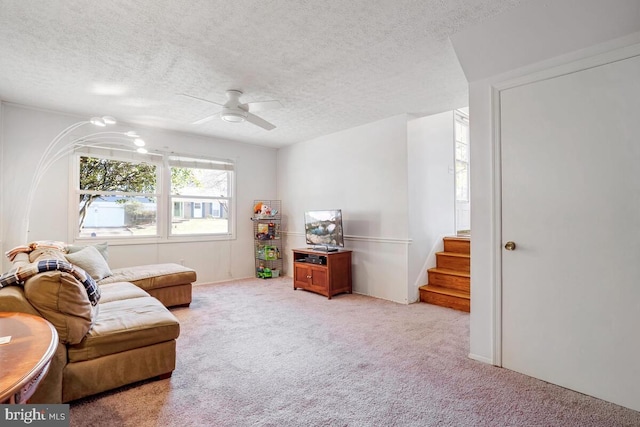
463, 136
462, 181
116, 216
108, 175
462, 152
199, 216
199, 182
458, 131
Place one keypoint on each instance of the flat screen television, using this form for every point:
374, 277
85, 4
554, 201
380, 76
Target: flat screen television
323, 229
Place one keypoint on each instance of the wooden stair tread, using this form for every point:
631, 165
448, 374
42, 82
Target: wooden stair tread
446, 291
454, 254
460, 238
450, 272
450, 280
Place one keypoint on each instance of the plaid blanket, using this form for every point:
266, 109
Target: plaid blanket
18, 275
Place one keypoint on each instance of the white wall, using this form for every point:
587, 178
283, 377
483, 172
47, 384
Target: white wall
27, 131
530, 39
364, 172
539, 30
431, 193
1, 184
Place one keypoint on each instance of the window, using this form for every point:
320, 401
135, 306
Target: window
462, 158
200, 194
117, 198
131, 196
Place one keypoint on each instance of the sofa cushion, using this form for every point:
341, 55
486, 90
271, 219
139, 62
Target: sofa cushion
119, 291
124, 325
63, 301
152, 276
103, 248
90, 260
19, 275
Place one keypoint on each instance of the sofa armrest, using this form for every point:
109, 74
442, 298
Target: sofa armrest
12, 299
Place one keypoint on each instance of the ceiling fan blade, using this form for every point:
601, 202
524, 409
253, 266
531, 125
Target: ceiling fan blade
206, 119
262, 105
252, 118
201, 99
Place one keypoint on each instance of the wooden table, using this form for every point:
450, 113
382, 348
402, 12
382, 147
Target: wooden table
24, 361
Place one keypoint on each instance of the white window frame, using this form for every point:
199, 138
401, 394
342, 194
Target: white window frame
164, 207
201, 163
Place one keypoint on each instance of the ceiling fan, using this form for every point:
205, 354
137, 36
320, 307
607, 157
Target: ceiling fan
235, 111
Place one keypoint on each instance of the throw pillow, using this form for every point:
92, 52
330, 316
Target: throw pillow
103, 248
91, 261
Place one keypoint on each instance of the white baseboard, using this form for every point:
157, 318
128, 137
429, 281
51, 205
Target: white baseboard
480, 359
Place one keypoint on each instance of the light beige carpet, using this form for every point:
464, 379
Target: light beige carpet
257, 353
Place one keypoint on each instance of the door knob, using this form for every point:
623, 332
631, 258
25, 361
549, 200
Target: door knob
510, 246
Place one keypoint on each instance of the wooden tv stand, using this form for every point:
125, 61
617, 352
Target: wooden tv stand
330, 277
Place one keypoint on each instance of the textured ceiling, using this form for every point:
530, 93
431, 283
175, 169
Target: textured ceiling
333, 64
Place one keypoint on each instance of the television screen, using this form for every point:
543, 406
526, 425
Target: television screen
324, 228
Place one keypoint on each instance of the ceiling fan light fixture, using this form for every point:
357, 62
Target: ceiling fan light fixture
234, 111
233, 116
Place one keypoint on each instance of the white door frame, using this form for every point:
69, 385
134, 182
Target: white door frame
497, 243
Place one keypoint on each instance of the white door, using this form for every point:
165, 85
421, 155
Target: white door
197, 210
571, 204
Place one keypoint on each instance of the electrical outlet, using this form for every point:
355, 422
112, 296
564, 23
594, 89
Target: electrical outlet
181, 262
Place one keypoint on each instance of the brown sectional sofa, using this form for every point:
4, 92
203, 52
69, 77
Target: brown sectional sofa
128, 336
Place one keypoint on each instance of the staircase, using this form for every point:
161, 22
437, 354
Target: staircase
449, 281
